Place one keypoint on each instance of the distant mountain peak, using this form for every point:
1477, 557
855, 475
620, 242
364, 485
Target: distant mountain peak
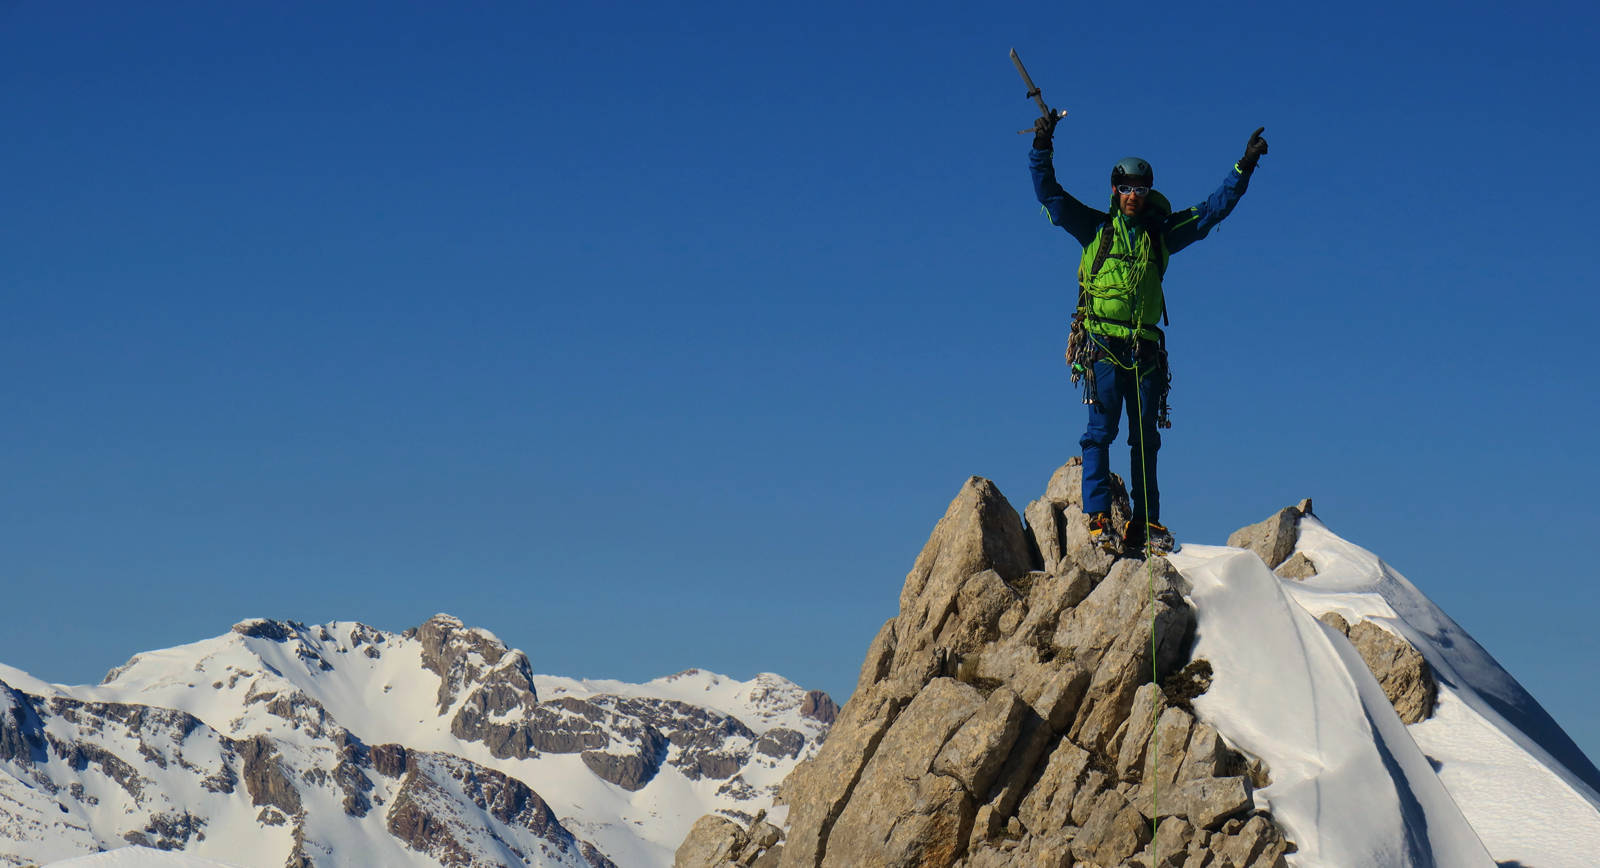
282, 742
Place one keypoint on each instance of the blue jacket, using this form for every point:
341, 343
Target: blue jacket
1121, 293
1178, 229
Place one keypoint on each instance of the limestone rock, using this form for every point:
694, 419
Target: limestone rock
262, 628
975, 754
1273, 539
1165, 759
1061, 695
1136, 735
1208, 801
1113, 832
1048, 805
818, 789
504, 689
1060, 528
388, 759
1401, 670
980, 531
718, 842
1066, 484
1113, 627
1256, 843
1007, 715
709, 744
264, 776
974, 623
1171, 843
1015, 776
762, 835
1048, 527
1207, 756
1297, 567
460, 656
630, 770
1048, 600
819, 706
21, 732
880, 658
445, 803
1405, 675
932, 831
714, 840
779, 743
897, 793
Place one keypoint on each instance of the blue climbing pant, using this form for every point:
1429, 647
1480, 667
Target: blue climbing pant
1114, 387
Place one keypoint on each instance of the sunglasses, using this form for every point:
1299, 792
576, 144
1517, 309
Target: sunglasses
1125, 189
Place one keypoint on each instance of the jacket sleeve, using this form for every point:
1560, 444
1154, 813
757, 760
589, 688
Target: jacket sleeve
1185, 227
1081, 221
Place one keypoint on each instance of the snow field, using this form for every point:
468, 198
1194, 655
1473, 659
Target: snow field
1488, 779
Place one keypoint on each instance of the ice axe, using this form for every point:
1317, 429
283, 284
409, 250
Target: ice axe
1034, 93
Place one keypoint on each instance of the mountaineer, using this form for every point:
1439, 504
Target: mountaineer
1115, 346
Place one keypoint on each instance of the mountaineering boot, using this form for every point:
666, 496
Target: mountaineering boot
1103, 534
1160, 542
1133, 538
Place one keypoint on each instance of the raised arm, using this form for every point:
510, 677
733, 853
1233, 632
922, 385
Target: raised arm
1077, 218
1186, 227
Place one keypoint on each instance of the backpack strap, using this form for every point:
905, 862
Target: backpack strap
1104, 250
1158, 252
1101, 252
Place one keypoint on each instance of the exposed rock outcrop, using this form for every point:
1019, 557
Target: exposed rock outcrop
1273, 539
631, 763
1401, 670
264, 776
709, 744
1010, 714
169, 831
264, 628
21, 737
713, 840
1298, 566
471, 659
717, 840
819, 706
427, 814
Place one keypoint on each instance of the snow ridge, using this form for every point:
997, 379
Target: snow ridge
1488, 779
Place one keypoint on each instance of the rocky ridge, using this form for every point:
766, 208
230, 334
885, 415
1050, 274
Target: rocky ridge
1029, 706
1010, 714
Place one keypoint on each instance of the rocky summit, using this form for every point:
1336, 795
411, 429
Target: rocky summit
338, 745
1034, 703
1010, 714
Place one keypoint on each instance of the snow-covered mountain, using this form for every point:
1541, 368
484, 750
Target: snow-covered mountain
1286, 701
282, 744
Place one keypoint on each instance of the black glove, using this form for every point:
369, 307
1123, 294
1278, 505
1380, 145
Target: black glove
1253, 151
1043, 130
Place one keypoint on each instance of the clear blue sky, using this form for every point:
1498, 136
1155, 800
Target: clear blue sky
653, 336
